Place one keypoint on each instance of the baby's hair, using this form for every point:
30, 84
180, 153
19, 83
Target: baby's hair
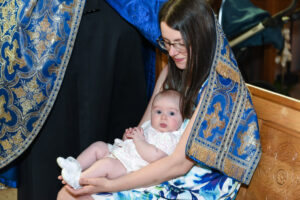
169, 93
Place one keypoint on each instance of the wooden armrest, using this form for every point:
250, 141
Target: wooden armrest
278, 173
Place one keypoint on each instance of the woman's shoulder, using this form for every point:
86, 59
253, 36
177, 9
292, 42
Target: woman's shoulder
164, 72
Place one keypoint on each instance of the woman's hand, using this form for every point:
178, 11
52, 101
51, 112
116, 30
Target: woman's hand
90, 186
64, 194
62, 180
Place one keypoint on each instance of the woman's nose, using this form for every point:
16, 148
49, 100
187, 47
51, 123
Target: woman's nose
172, 51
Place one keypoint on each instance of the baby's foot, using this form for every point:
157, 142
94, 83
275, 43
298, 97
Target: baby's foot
71, 178
73, 163
71, 171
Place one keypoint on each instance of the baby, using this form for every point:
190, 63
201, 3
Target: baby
140, 145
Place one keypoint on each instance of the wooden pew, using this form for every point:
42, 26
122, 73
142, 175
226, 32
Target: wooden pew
278, 173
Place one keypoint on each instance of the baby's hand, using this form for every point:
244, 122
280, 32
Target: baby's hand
127, 134
138, 134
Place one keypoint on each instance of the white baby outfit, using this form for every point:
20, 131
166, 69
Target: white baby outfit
126, 152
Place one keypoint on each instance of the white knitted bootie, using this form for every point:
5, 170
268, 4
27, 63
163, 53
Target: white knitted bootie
71, 171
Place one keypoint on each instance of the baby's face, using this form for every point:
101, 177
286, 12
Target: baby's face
165, 114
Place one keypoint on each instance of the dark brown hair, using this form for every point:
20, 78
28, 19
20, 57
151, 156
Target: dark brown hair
194, 19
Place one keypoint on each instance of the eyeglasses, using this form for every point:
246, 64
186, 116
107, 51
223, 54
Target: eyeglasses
165, 45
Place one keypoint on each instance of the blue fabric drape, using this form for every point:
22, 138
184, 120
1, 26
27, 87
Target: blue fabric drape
9, 178
143, 14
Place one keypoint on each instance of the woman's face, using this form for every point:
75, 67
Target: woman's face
175, 45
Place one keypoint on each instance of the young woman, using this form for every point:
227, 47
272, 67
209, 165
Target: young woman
220, 147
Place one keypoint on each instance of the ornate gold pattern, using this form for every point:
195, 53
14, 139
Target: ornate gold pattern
9, 143
66, 8
13, 58
8, 17
248, 138
3, 114
227, 72
29, 95
43, 36
213, 121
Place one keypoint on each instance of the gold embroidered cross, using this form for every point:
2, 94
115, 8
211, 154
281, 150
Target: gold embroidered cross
213, 121
13, 57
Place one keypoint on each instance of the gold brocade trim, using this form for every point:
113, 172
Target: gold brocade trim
233, 170
227, 72
202, 154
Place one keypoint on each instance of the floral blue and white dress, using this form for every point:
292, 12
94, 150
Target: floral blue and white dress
199, 183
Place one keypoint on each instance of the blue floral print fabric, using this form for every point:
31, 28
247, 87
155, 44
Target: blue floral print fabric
199, 183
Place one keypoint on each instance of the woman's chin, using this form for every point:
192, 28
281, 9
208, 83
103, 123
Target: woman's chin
180, 66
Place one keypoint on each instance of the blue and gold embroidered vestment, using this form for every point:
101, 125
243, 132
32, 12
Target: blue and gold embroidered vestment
225, 134
36, 40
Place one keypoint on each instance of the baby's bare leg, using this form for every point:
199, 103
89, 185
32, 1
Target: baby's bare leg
94, 152
107, 167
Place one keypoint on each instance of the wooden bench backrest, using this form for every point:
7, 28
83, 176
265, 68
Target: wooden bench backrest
278, 173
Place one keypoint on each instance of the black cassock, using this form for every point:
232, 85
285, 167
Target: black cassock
103, 92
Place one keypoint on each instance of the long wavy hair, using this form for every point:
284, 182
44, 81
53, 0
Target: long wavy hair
194, 19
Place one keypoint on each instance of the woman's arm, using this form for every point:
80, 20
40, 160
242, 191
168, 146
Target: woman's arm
157, 172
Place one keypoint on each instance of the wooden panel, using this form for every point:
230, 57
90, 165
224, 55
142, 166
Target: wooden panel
278, 116
278, 173
8, 194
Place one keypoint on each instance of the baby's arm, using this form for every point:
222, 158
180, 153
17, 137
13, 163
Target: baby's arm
147, 151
